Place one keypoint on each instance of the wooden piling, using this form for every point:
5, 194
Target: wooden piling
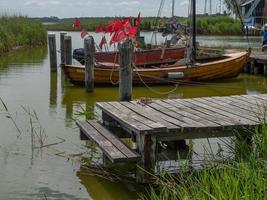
265, 69
62, 54
252, 65
89, 51
52, 52
256, 70
67, 50
125, 87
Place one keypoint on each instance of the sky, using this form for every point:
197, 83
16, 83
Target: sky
97, 8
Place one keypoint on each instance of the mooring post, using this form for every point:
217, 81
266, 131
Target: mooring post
62, 54
67, 50
126, 71
52, 52
265, 69
89, 58
252, 65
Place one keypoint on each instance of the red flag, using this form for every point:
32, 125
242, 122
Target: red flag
137, 20
126, 22
76, 23
83, 33
131, 32
118, 37
109, 27
99, 29
117, 25
103, 41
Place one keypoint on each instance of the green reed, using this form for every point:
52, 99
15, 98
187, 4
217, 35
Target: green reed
242, 178
18, 31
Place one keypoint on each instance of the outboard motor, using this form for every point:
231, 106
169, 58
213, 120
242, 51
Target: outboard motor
78, 54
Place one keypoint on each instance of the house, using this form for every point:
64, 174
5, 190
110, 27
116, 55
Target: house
254, 12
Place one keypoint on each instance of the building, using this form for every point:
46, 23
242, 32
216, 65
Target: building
254, 12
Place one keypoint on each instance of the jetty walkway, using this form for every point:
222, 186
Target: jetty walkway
148, 122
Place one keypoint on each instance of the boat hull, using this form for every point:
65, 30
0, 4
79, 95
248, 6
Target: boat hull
143, 57
228, 67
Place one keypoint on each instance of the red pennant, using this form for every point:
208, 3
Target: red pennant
76, 24
118, 24
137, 20
103, 41
109, 27
118, 37
83, 33
99, 29
132, 32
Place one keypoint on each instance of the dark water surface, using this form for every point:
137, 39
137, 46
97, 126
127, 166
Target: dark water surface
26, 85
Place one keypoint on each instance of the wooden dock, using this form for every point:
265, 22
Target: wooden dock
151, 121
257, 64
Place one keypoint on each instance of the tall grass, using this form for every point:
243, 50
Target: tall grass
20, 31
239, 179
219, 25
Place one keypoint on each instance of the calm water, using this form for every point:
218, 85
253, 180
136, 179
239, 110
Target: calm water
54, 171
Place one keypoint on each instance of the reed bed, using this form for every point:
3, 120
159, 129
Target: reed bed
17, 31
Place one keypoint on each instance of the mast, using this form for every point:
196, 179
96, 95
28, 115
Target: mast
193, 4
172, 8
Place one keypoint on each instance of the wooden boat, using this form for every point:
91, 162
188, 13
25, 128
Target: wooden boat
228, 66
140, 58
224, 66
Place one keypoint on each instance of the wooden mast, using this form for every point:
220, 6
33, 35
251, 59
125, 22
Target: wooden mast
193, 4
172, 8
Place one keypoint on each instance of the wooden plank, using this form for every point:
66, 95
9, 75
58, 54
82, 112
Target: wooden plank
123, 119
241, 115
150, 113
106, 146
163, 116
231, 108
184, 121
114, 140
241, 103
237, 120
186, 111
207, 110
208, 115
156, 126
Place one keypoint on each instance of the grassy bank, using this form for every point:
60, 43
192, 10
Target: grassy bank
212, 25
218, 25
20, 31
244, 178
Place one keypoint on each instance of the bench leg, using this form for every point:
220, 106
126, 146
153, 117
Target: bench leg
147, 149
83, 136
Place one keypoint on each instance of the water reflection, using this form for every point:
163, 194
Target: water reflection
53, 90
101, 189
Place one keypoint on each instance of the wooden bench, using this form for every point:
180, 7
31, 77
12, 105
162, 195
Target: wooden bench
111, 146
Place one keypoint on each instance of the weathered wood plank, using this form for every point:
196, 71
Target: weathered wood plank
149, 113
237, 120
145, 120
114, 140
122, 118
184, 121
106, 146
241, 115
209, 111
241, 112
204, 113
185, 111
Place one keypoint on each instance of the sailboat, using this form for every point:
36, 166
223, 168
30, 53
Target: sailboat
188, 69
